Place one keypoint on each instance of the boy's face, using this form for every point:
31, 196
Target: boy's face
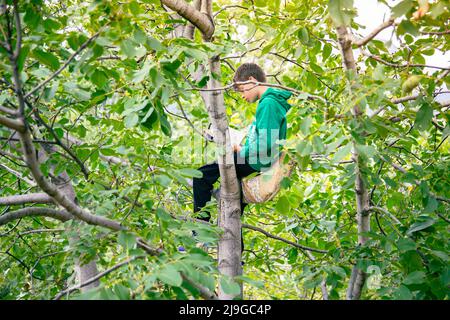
249, 91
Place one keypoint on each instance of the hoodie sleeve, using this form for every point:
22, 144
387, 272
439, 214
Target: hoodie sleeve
268, 125
245, 151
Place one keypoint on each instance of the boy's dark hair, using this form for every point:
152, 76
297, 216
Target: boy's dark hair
247, 70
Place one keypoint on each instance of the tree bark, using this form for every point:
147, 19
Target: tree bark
229, 248
362, 196
25, 198
64, 185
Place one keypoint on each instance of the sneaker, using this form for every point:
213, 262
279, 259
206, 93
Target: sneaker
181, 249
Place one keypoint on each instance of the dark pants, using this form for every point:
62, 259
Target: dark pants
203, 186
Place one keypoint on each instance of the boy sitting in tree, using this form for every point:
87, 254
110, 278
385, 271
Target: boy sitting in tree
260, 149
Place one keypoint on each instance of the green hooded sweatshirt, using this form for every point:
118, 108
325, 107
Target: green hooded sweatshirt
260, 149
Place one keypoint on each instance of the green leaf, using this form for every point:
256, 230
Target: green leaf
303, 36
148, 114
99, 78
402, 8
318, 144
131, 120
171, 66
367, 151
122, 292
408, 27
155, 44
438, 9
170, 275
303, 162
406, 244
32, 18
415, 277
292, 255
341, 11
420, 226
142, 73
440, 255
165, 125
304, 148
326, 51
283, 206
47, 58
128, 48
260, 3
23, 55
306, 125
97, 51
255, 283
267, 48
126, 239
81, 95
134, 8
424, 116
51, 25
403, 293
163, 180
229, 286
191, 173
163, 215
342, 153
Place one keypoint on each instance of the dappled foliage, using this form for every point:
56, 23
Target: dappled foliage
121, 107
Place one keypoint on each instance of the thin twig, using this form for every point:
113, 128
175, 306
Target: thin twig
57, 72
95, 278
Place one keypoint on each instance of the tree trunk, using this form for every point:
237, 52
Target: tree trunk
362, 196
64, 184
229, 250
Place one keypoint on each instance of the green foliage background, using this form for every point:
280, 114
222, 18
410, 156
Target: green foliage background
121, 97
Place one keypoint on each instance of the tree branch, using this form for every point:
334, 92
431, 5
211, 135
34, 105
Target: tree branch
374, 33
12, 124
229, 7
417, 182
34, 212
25, 198
386, 212
97, 277
232, 85
7, 110
205, 293
18, 30
18, 175
189, 30
29, 153
60, 143
57, 72
267, 234
440, 33
198, 19
248, 226
395, 65
41, 231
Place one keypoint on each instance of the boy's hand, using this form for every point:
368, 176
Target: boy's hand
237, 147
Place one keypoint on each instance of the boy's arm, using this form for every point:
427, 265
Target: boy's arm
269, 118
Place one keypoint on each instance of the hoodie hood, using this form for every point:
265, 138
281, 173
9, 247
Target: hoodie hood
279, 95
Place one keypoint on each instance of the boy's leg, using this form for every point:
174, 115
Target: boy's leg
203, 186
